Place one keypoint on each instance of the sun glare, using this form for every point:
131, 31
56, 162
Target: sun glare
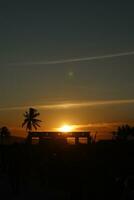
65, 129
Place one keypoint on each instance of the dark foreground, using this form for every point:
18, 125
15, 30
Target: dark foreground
98, 171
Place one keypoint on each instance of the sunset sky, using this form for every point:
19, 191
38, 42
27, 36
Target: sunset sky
74, 62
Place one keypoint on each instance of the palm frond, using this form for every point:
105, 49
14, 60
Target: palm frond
35, 126
30, 120
36, 115
36, 121
24, 123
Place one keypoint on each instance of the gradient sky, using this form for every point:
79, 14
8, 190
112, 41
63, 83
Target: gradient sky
50, 57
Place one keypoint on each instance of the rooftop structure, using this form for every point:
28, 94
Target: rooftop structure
58, 136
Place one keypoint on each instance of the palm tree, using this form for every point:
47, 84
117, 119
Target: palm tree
31, 120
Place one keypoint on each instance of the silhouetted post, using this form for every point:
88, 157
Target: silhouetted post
76, 140
40, 140
88, 139
29, 139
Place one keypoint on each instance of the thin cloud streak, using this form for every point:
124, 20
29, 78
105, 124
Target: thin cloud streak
96, 125
75, 105
64, 61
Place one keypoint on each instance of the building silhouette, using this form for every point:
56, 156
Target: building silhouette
58, 137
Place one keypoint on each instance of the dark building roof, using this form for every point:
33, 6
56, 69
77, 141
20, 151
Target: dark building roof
59, 134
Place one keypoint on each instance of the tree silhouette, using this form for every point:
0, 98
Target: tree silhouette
31, 120
4, 133
123, 132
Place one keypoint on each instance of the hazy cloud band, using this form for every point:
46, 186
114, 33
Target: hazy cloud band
77, 59
71, 105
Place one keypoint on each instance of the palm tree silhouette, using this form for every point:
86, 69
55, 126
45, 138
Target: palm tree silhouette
31, 120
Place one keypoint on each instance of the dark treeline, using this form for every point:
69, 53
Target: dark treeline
123, 132
95, 171
4, 134
53, 170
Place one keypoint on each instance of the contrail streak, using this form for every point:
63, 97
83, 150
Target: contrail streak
74, 105
64, 61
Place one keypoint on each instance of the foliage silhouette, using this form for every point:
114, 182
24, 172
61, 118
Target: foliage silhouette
30, 119
4, 133
123, 132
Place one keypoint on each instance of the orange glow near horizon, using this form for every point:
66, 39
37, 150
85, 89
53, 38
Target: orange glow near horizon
66, 128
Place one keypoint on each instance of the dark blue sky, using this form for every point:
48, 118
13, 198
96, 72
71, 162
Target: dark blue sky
47, 31
38, 32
